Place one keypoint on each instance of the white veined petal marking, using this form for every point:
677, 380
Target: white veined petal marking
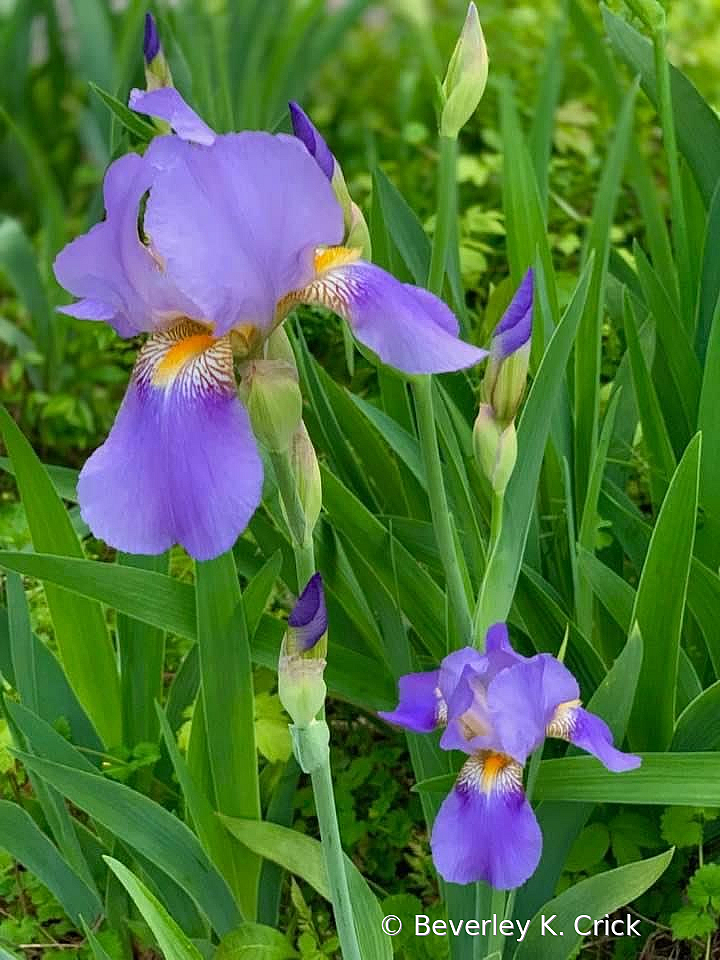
490, 772
563, 721
188, 360
333, 288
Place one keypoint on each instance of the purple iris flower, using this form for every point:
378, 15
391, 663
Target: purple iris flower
208, 243
497, 707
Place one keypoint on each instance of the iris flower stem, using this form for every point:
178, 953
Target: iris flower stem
677, 207
422, 392
334, 859
447, 180
498, 501
439, 509
295, 516
320, 772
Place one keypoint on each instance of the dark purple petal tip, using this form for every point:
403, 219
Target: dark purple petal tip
306, 131
515, 328
151, 40
308, 620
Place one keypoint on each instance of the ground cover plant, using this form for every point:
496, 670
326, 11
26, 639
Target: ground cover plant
359, 499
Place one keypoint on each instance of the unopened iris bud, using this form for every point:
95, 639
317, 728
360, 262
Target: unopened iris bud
356, 231
301, 686
274, 402
506, 374
466, 76
306, 131
308, 481
495, 448
157, 71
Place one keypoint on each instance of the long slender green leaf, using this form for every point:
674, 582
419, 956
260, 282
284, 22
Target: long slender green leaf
303, 856
141, 654
675, 347
541, 133
588, 342
710, 280
255, 941
698, 726
661, 459
23, 839
422, 600
708, 539
80, 630
173, 942
405, 228
150, 829
505, 561
660, 605
149, 596
696, 123
229, 707
591, 899
684, 779
207, 825
589, 524
523, 206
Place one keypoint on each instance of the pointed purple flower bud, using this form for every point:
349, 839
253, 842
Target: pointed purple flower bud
515, 328
301, 667
305, 130
151, 40
308, 621
506, 374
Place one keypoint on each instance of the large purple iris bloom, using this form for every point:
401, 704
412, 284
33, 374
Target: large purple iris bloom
497, 707
208, 243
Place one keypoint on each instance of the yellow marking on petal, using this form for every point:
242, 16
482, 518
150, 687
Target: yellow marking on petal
493, 766
335, 257
179, 354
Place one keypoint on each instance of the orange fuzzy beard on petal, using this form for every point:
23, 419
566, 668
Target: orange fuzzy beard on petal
335, 257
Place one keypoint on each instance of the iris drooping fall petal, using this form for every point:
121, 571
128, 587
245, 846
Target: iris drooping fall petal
589, 732
421, 707
237, 224
407, 327
486, 829
166, 104
180, 464
117, 275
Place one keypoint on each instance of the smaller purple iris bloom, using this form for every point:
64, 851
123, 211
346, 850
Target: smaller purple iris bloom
208, 243
497, 707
